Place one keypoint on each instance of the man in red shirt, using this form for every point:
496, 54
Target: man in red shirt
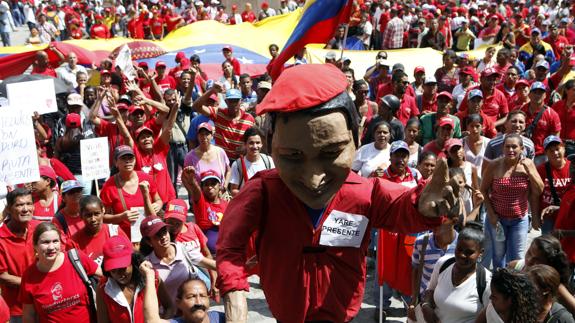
164, 80
42, 65
494, 101
99, 30
312, 213
248, 15
16, 247
228, 53
427, 102
407, 109
231, 123
507, 87
555, 175
157, 25
556, 40
445, 130
548, 122
135, 26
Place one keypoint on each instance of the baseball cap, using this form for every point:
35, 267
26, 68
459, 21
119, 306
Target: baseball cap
126, 99
398, 66
205, 125
330, 55
176, 209
398, 145
446, 121
430, 79
122, 106
419, 69
143, 64
151, 225
73, 120
227, 47
535, 30
453, 142
551, 139
467, 70
179, 56
210, 174
123, 150
565, 20
70, 185
142, 129
489, 71
445, 94
542, 63
47, 171
185, 63
264, 85
135, 108
160, 64
521, 82
233, 94
538, 86
102, 72
475, 93
298, 88
75, 99
117, 252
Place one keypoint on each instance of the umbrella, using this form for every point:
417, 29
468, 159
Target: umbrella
59, 85
141, 49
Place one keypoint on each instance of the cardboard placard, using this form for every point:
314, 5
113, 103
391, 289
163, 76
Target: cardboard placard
18, 154
94, 153
33, 96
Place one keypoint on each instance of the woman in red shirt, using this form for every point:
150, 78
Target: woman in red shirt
46, 200
565, 108
120, 295
52, 290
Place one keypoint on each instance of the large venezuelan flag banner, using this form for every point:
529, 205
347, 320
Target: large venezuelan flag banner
318, 22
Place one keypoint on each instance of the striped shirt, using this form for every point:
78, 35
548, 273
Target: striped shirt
432, 254
229, 131
494, 148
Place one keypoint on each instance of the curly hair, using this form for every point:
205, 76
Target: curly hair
551, 249
517, 287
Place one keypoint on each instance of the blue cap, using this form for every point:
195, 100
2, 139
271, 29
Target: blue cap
535, 30
233, 94
475, 93
551, 139
397, 145
70, 185
538, 86
542, 63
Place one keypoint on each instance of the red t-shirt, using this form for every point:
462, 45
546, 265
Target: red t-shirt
567, 117
431, 146
407, 110
16, 255
248, 16
4, 310
566, 221
136, 28
93, 246
44, 71
561, 181
193, 237
154, 164
557, 44
76, 33
548, 124
168, 82
156, 25
74, 223
430, 106
208, 214
46, 213
111, 199
172, 21
110, 130
100, 31
61, 170
236, 65
60, 295
494, 106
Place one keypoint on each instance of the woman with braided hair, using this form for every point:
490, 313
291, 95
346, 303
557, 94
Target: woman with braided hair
513, 299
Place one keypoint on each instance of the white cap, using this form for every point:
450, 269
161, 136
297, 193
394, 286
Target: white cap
430, 79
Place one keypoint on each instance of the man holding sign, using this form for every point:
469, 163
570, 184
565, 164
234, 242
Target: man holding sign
312, 213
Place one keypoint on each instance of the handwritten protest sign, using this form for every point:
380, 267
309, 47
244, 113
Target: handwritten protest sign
95, 158
33, 96
18, 155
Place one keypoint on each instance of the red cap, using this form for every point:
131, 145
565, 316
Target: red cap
228, 47
135, 108
117, 253
489, 71
265, 4
122, 106
205, 125
142, 129
445, 94
419, 69
468, 70
210, 174
151, 225
160, 63
214, 97
98, 17
452, 143
522, 82
102, 72
143, 64
185, 63
446, 121
180, 55
49, 172
297, 88
176, 209
73, 120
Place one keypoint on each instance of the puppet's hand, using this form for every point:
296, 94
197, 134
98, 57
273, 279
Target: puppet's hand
236, 307
439, 197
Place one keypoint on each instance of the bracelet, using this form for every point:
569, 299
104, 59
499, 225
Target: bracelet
426, 303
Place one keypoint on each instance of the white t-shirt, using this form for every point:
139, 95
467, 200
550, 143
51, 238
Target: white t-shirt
368, 158
456, 304
476, 160
251, 168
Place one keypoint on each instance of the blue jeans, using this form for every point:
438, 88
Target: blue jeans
487, 257
175, 160
515, 243
5, 39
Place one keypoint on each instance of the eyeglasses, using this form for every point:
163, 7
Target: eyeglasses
381, 57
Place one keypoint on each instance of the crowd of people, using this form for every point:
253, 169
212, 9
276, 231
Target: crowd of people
181, 144
62, 20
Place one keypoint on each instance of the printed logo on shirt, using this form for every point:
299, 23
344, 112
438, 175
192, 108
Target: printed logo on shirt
159, 166
342, 229
146, 169
215, 217
56, 291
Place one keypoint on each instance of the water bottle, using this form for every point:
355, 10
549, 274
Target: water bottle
499, 235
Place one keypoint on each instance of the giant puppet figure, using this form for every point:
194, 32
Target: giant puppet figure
313, 214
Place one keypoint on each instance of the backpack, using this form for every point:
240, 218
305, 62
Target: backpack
89, 281
243, 169
479, 276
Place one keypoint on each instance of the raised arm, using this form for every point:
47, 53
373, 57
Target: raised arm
151, 307
201, 104
191, 183
121, 125
169, 125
